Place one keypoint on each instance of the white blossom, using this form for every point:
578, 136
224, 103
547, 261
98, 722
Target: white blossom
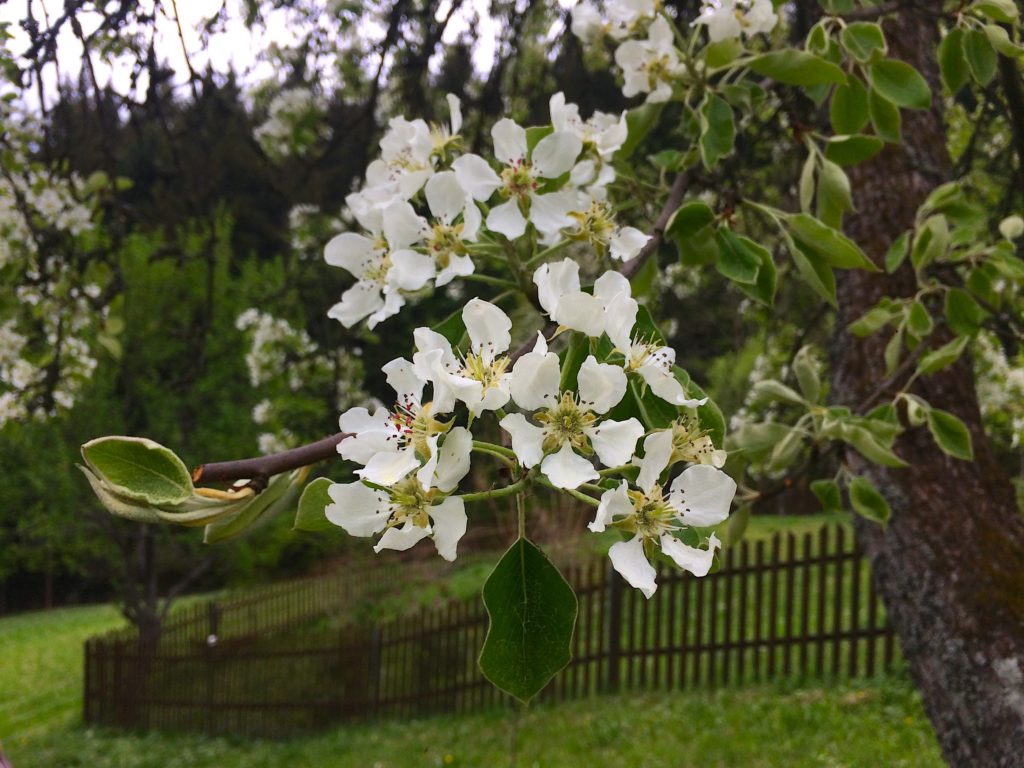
650, 66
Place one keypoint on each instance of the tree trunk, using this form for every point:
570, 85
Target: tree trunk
950, 565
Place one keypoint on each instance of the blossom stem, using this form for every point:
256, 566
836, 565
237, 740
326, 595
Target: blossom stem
491, 447
615, 470
551, 251
501, 457
579, 496
490, 280
495, 493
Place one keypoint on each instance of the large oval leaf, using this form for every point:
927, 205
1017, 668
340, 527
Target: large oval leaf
532, 611
139, 469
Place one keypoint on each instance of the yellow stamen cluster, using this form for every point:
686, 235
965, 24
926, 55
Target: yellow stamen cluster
652, 516
691, 444
564, 424
444, 242
596, 225
411, 503
487, 373
517, 180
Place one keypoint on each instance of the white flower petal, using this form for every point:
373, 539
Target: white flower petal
359, 301
425, 474
600, 385
453, 459
454, 112
693, 559
526, 439
387, 468
403, 538
702, 495
627, 242
509, 141
359, 509
555, 154
410, 270
534, 380
449, 524
619, 319
629, 560
348, 251
402, 377
488, 328
657, 452
566, 469
507, 219
611, 284
615, 441
402, 227
581, 312
476, 176
550, 213
445, 196
555, 280
458, 266
614, 503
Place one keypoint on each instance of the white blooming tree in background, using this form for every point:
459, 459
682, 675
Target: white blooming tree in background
556, 371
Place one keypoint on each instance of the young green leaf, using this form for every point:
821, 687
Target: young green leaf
832, 246
532, 612
864, 41
139, 469
963, 313
952, 61
849, 108
717, 130
950, 434
736, 261
827, 492
851, 150
793, 67
897, 252
981, 57
885, 117
868, 502
942, 357
314, 500
900, 83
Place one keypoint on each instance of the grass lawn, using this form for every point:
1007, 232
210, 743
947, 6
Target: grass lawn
870, 723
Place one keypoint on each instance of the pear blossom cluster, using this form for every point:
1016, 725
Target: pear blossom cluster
428, 211
562, 430
294, 123
1000, 389
645, 40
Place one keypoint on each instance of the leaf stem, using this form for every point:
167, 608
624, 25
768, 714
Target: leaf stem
495, 493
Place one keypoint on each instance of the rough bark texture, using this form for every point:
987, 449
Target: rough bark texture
950, 566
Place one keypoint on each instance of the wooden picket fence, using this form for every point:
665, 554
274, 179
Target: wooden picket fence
787, 607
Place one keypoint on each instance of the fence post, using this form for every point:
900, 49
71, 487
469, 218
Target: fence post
373, 681
213, 622
614, 612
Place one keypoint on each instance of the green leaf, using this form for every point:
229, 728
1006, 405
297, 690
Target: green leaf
452, 327
867, 501
535, 133
689, 218
981, 57
814, 270
1001, 42
864, 40
763, 289
639, 123
1004, 11
758, 438
952, 61
793, 67
900, 83
834, 194
139, 469
735, 260
807, 173
786, 451
963, 313
573, 357
850, 150
942, 357
849, 108
919, 321
769, 390
872, 321
828, 494
870, 446
314, 500
129, 509
279, 495
723, 52
829, 244
532, 612
931, 241
717, 130
806, 371
950, 434
885, 117
897, 252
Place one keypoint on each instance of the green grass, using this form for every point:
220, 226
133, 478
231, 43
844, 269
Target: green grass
41, 668
868, 724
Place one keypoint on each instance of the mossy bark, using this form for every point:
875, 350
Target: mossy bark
950, 565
